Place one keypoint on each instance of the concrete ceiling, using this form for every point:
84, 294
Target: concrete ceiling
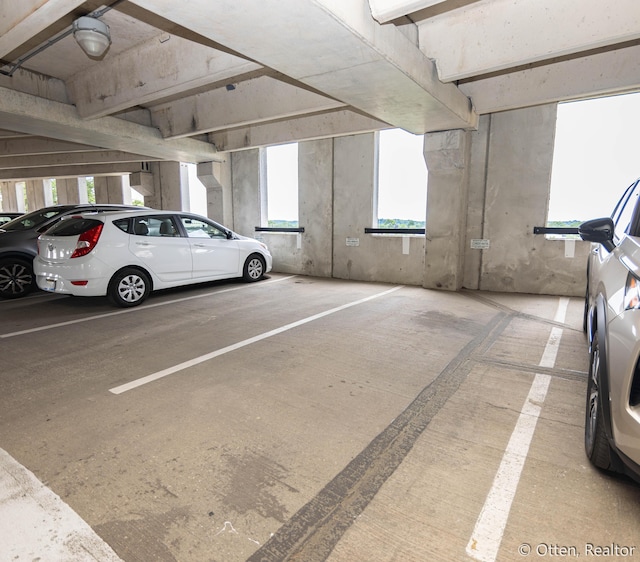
186, 81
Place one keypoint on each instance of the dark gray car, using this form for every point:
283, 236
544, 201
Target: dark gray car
5, 217
19, 244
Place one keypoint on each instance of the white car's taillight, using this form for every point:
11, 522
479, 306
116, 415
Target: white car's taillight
632, 293
87, 241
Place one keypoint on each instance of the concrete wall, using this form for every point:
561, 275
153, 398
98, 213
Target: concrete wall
335, 200
510, 173
360, 256
309, 252
489, 185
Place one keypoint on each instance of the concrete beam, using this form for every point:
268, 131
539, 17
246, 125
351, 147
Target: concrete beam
161, 67
20, 174
253, 101
342, 52
29, 114
325, 125
142, 182
384, 11
24, 19
36, 84
605, 73
492, 35
73, 159
31, 146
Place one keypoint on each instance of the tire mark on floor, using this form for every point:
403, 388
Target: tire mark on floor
313, 532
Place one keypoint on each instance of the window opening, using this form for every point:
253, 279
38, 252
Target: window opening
594, 159
402, 181
282, 186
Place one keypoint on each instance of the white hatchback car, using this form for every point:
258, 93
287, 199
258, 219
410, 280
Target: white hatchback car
126, 255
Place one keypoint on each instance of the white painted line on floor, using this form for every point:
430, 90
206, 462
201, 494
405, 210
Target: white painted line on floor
137, 308
492, 521
35, 524
192, 362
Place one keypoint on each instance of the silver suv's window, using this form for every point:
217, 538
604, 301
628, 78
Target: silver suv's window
624, 210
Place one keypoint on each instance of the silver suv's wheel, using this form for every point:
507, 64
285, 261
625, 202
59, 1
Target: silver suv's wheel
16, 278
595, 441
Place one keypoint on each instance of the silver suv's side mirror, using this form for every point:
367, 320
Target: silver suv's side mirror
599, 231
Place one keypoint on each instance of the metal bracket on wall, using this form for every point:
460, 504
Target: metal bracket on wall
394, 230
554, 230
277, 229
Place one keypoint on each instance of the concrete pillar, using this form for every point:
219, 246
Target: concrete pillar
39, 194
476, 202
447, 155
112, 189
518, 178
249, 199
170, 186
72, 190
355, 255
216, 177
12, 196
315, 202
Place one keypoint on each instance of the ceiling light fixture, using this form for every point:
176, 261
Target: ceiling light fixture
92, 35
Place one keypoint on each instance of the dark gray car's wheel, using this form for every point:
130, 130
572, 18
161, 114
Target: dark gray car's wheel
129, 287
16, 278
253, 268
595, 441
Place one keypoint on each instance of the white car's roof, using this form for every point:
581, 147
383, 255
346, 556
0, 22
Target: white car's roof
143, 211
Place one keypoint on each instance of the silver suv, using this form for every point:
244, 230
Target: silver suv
612, 324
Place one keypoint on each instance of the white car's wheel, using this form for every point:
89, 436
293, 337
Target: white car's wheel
129, 287
254, 268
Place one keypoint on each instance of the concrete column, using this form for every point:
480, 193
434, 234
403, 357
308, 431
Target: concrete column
12, 197
39, 194
355, 255
72, 190
315, 202
447, 155
216, 177
248, 197
170, 186
112, 189
518, 178
476, 198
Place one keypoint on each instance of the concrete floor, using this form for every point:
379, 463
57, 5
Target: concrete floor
310, 419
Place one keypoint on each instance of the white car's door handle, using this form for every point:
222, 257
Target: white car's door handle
199, 245
143, 244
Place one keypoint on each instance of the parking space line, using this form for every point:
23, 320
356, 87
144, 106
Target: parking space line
491, 523
35, 524
137, 308
208, 356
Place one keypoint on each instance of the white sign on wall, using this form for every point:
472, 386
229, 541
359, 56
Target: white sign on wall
480, 244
